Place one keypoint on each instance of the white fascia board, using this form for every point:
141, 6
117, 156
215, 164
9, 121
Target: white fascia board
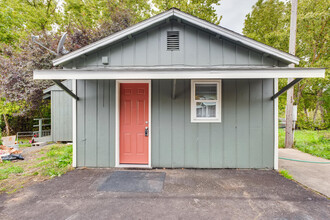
179, 74
114, 37
190, 19
237, 37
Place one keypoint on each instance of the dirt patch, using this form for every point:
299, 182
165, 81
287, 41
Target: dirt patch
31, 174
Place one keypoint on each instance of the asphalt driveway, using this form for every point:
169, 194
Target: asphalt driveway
186, 194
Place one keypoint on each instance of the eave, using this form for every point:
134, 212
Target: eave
182, 72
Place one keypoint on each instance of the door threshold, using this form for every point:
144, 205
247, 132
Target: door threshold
134, 166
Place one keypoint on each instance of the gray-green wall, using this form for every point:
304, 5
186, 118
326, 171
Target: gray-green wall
244, 138
61, 113
197, 48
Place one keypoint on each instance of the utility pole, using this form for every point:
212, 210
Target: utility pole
289, 100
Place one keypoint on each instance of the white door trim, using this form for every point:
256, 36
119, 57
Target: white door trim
118, 82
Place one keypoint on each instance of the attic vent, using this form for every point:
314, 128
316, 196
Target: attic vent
173, 40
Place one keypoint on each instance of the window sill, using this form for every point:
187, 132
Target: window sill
205, 120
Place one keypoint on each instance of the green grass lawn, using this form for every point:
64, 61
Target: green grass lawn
46, 163
24, 142
286, 174
316, 143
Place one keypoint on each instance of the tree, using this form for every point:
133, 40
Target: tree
95, 14
203, 9
19, 19
8, 25
269, 23
7, 108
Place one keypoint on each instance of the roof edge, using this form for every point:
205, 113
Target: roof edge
184, 73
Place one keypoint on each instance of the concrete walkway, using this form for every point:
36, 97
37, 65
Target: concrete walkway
313, 175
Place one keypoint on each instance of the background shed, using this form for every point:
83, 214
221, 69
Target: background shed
61, 112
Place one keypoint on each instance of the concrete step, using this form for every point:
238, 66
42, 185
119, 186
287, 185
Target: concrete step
38, 144
43, 139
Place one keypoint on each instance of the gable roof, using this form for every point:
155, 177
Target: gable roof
175, 13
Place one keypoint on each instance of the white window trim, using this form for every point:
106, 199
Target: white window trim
194, 119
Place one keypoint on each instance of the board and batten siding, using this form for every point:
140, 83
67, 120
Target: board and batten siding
61, 113
244, 138
197, 48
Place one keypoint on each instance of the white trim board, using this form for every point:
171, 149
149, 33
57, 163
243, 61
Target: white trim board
275, 126
162, 17
117, 164
179, 73
74, 125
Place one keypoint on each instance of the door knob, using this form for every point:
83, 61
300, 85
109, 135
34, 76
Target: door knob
146, 131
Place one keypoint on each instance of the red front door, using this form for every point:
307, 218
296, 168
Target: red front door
134, 119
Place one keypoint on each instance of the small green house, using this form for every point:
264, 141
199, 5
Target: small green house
175, 91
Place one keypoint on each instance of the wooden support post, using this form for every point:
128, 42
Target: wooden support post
289, 101
40, 127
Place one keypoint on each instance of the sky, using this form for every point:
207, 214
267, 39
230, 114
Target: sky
233, 13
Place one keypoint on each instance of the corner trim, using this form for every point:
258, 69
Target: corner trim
275, 126
74, 124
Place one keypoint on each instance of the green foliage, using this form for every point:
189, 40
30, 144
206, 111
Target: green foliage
286, 174
57, 161
94, 14
269, 23
19, 19
203, 9
51, 161
8, 24
316, 143
4, 173
24, 142
8, 108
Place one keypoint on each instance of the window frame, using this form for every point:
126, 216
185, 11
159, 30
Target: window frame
193, 102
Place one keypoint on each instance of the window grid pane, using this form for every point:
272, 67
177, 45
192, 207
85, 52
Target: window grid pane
206, 91
206, 109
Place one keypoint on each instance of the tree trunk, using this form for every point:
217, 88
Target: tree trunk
7, 125
319, 94
306, 112
315, 113
289, 121
299, 92
322, 114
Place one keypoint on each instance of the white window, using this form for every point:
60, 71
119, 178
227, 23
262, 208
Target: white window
205, 100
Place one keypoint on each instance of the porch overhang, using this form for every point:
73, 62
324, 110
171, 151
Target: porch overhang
184, 72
